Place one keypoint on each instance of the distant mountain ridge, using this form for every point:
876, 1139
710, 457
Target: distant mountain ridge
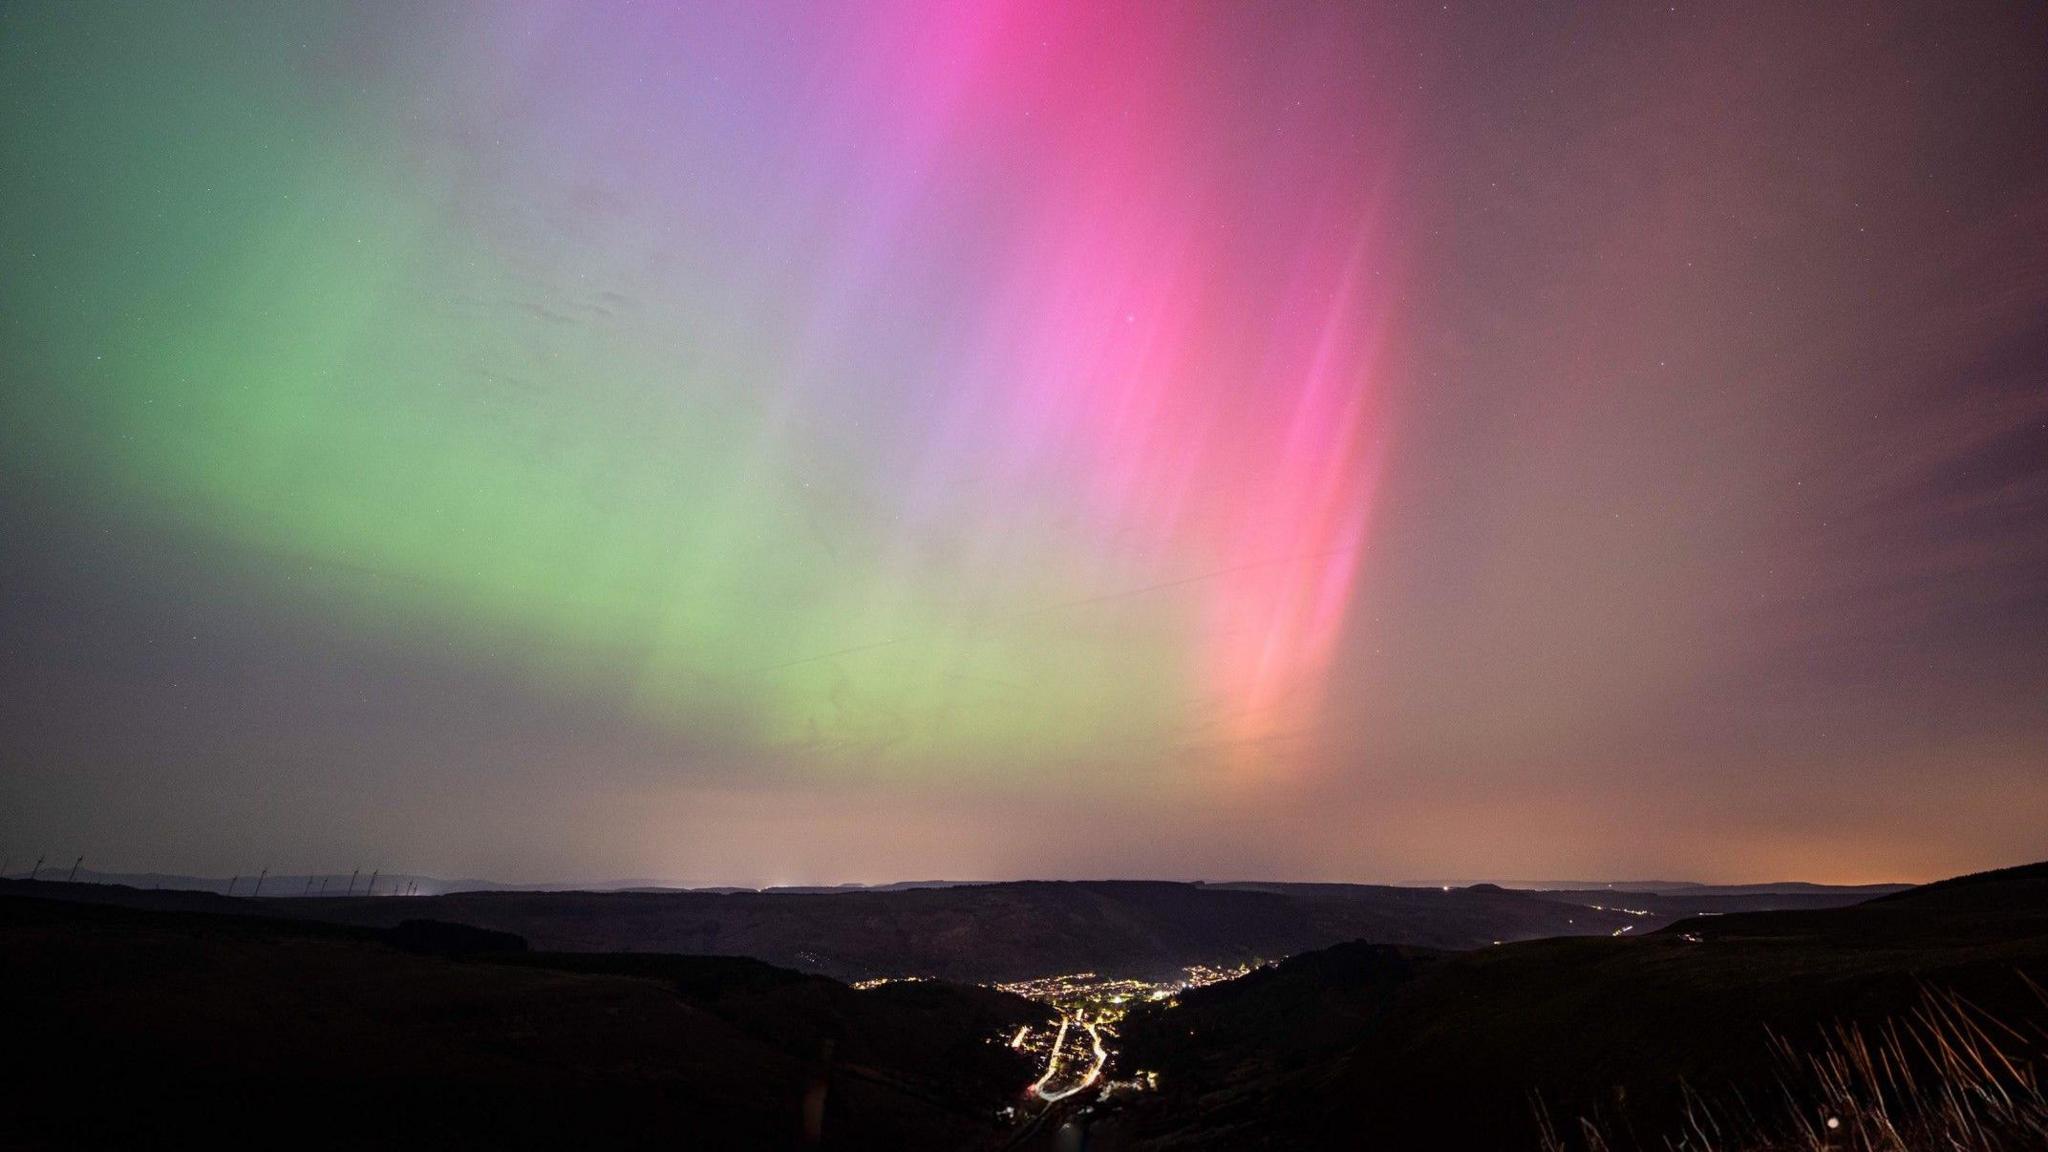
1684, 887
987, 932
288, 884
317, 884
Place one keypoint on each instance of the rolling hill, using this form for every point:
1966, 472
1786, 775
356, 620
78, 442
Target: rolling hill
982, 932
1367, 1045
131, 1027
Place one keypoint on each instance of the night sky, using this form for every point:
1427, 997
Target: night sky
797, 443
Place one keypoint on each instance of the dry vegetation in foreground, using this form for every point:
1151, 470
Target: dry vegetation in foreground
1947, 1077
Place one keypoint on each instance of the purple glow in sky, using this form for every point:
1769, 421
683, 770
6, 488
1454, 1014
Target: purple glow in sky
804, 443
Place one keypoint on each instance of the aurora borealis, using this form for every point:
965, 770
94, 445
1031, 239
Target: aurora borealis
735, 443
631, 339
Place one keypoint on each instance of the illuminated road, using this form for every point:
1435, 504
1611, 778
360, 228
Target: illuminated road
1052, 1063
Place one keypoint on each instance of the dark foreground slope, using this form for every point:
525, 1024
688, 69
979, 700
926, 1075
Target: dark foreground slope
129, 1027
981, 932
1370, 1046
